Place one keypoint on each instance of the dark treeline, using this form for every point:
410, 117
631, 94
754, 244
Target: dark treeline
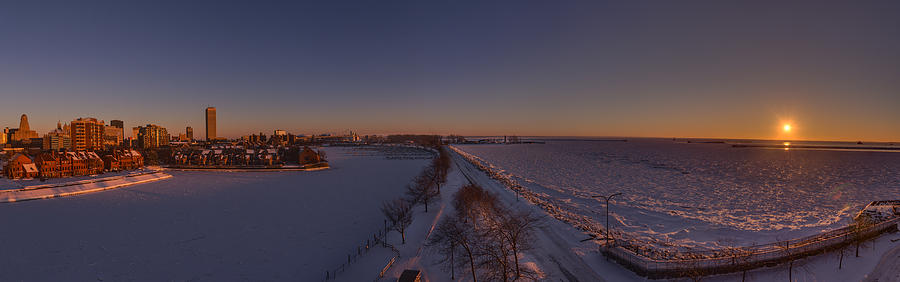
484, 237
424, 189
423, 140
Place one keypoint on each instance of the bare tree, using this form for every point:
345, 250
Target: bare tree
473, 202
860, 228
454, 236
493, 255
423, 189
440, 167
785, 247
399, 213
516, 229
841, 251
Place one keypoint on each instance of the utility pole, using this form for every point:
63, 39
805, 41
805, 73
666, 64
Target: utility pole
607, 198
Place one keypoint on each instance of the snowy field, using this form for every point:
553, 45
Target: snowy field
209, 226
701, 195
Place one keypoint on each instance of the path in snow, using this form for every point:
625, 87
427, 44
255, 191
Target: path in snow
888, 269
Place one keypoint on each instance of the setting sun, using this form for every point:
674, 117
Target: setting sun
787, 128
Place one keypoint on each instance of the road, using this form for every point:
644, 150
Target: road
554, 246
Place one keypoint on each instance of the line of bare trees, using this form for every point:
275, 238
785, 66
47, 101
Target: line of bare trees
424, 189
484, 237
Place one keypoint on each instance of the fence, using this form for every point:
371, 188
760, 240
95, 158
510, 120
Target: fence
655, 263
377, 238
739, 259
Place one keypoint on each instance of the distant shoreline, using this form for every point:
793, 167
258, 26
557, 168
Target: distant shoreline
775, 146
312, 167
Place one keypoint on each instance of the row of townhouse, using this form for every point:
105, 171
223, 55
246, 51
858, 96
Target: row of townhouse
65, 164
229, 157
123, 160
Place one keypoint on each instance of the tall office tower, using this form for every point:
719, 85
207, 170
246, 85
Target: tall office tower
87, 134
117, 123
189, 131
210, 123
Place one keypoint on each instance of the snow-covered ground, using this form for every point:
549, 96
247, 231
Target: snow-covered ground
209, 226
701, 195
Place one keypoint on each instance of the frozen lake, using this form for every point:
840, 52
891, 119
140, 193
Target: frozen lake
212, 226
702, 195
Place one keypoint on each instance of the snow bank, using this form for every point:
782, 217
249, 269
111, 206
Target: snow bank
78, 187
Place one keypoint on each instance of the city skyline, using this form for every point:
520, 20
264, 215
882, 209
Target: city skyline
516, 68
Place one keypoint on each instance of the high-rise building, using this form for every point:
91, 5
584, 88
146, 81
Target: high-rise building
23, 133
113, 136
117, 123
87, 134
210, 123
57, 139
189, 131
152, 136
56, 142
3, 136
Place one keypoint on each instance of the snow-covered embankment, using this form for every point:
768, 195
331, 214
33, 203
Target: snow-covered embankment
78, 187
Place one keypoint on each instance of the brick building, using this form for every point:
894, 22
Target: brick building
20, 166
123, 160
87, 134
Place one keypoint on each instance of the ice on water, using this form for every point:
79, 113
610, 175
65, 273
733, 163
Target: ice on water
702, 195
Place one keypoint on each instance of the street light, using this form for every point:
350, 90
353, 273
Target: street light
607, 198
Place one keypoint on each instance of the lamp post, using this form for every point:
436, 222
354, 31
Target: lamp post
607, 198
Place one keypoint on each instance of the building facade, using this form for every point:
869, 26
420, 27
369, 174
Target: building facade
113, 136
65, 164
56, 142
23, 134
210, 124
123, 160
152, 136
189, 131
87, 134
20, 166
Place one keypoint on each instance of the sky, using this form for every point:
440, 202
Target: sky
707, 69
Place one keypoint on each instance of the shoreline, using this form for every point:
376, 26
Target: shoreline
312, 167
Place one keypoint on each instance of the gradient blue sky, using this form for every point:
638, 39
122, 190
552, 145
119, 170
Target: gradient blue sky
564, 68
